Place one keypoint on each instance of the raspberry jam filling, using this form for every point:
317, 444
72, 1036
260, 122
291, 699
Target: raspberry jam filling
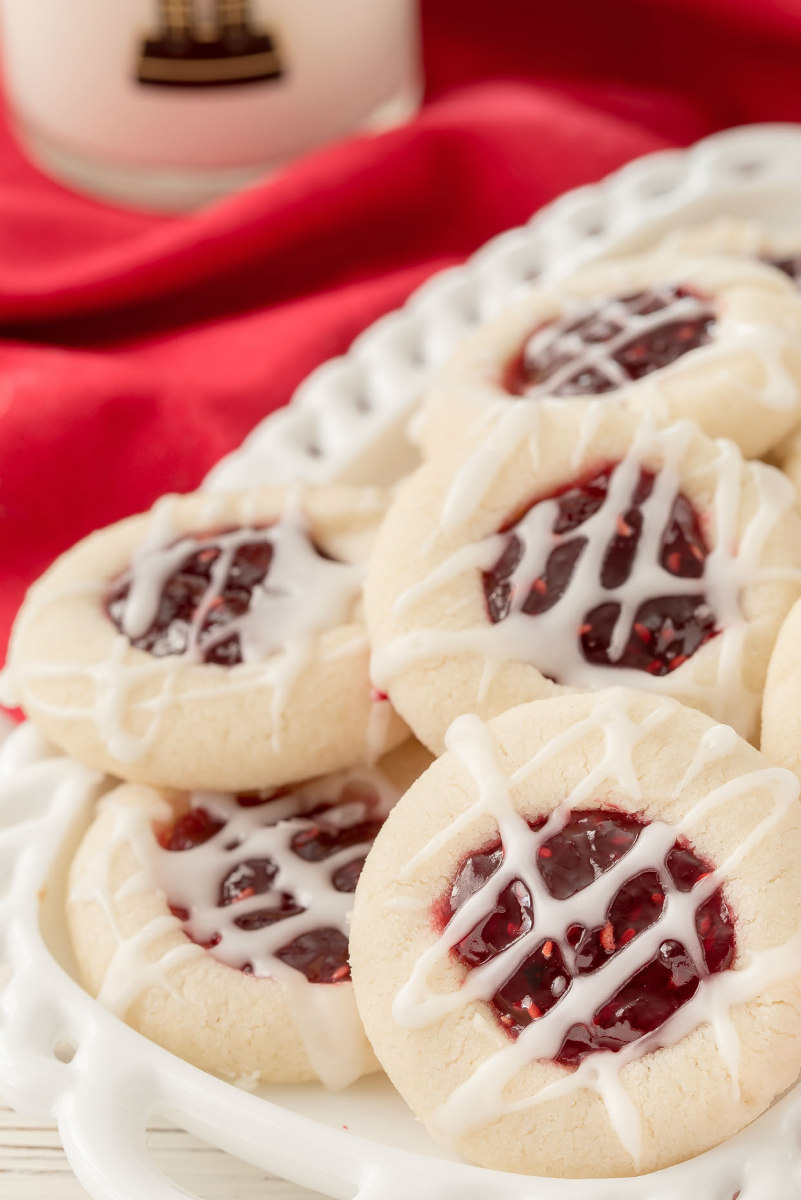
314, 836
665, 630
605, 344
590, 844
202, 595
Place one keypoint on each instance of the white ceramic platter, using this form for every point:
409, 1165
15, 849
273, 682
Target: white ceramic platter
347, 421
63, 1055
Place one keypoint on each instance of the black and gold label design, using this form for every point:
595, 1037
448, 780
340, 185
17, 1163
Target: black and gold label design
207, 43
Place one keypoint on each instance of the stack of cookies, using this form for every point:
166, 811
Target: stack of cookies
213, 656
573, 941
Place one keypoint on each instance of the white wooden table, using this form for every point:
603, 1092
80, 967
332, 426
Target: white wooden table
34, 1167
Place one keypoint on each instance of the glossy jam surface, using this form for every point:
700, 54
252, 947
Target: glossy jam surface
321, 954
607, 343
590, 843
665, 630
195, 605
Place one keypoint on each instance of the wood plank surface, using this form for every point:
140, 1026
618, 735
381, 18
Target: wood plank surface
33, 1166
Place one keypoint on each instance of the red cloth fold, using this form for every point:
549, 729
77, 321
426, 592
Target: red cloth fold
135, 350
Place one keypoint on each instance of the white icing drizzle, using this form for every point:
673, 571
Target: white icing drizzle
598, 356
516, 424
132, 968
192, 878
480, 1099
325, 1014
302, 595
729, 335
551, 640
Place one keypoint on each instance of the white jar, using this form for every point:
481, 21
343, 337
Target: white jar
169, 103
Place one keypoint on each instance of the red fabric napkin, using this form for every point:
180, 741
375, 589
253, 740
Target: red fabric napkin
135, 350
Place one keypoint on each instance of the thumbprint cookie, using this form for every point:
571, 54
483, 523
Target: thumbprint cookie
576, 942
714, 339
217, 923
582, 553
217, 642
